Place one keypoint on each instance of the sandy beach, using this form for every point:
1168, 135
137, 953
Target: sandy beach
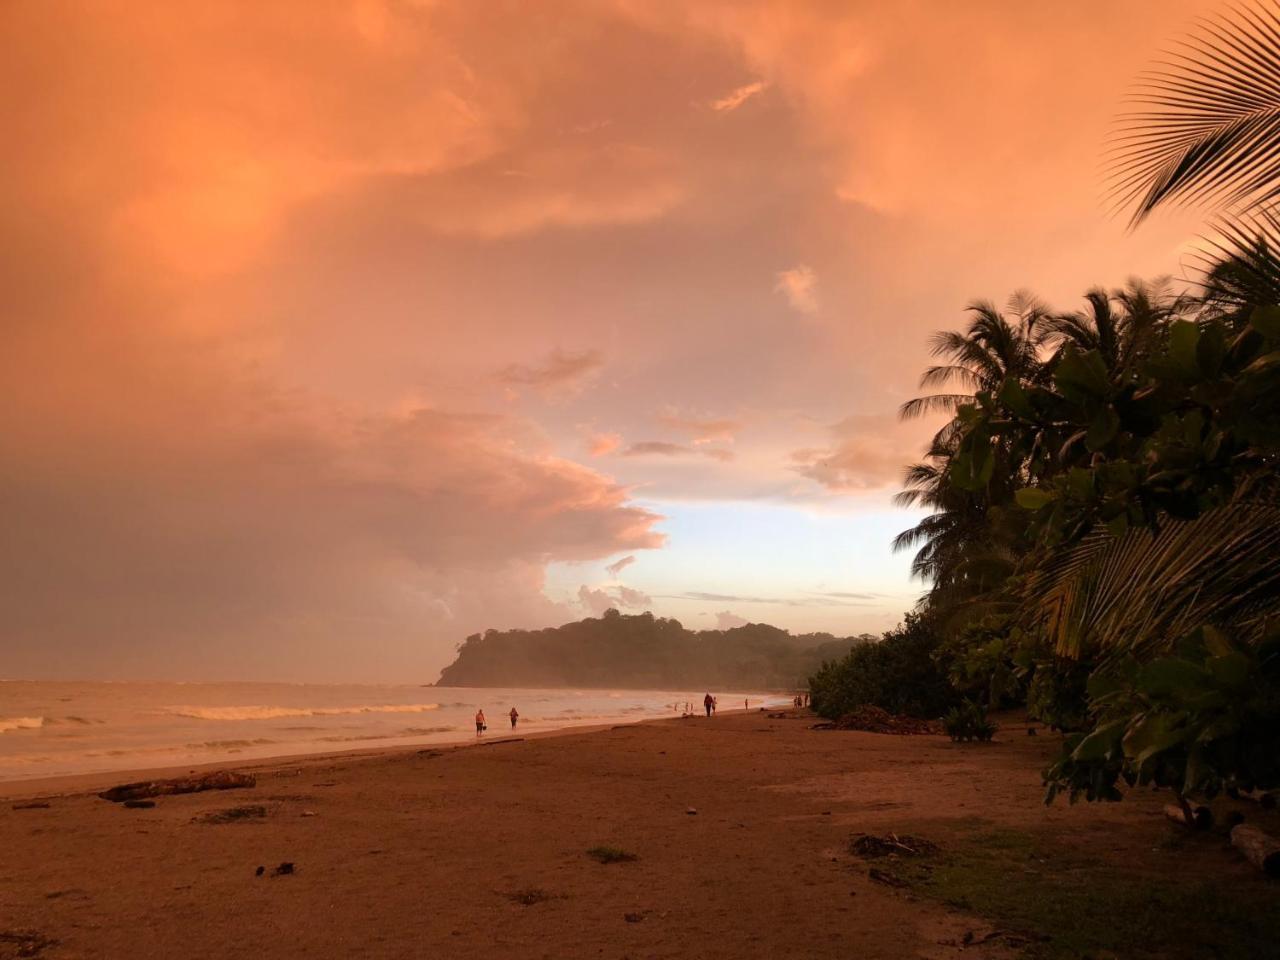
740, 827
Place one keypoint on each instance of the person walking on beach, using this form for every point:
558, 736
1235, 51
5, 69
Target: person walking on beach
514, 717
708, 702
480, 724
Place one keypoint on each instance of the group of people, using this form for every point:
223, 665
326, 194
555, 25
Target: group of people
482, 725
709, 703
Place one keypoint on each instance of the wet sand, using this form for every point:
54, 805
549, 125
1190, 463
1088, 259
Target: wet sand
481, 851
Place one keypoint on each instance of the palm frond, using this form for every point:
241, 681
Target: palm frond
1240, 266
1135, 594
937, 403
1208, 126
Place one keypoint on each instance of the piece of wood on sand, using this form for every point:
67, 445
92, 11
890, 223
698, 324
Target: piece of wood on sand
1197, 818
1261, 849
217, 780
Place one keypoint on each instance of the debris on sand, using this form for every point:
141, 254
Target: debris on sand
233, 815
217, 780
28, 942
283, 870
533, 895
32, 805
873, 719
611, 855
868, 847
888, 879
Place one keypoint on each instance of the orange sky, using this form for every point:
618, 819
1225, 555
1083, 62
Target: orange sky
335, 331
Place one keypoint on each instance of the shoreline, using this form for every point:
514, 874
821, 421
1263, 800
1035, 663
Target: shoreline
90, 783
660, 838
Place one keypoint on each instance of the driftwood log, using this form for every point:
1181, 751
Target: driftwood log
1260, 849
218, 780
1197, 818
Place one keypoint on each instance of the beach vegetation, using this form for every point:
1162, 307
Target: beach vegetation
968, 722
899, 673
1102, 542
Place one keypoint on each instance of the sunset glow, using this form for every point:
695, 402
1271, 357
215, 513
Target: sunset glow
336, 332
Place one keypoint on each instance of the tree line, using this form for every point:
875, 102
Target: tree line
643, 652
1103, 536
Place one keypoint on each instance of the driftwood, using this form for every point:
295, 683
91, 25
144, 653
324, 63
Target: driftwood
218, 780
1197, 818
1260, 849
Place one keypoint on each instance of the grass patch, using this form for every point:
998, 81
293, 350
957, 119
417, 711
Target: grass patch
611, 855
1074, 907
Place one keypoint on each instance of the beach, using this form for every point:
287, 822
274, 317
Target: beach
740, 827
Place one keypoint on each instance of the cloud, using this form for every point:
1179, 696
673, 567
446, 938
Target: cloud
603, 444
561, 370
812, 600
800, 286
618, 566
661, 448
736, 98
702, 430
727, 621
867, 452
596, 600
633, 598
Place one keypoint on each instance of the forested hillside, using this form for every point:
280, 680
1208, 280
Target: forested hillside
643, 652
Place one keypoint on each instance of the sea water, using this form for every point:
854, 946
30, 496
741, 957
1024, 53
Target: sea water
49, 729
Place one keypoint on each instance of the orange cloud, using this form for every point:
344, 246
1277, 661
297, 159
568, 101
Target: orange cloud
736, 98
562, 370
603, 444
661, 448
702, 430
800, 286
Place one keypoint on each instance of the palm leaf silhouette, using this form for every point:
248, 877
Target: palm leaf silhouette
1135, 594
1207, 127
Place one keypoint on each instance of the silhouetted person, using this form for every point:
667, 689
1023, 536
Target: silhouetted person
514, 717
709, 703
480, 724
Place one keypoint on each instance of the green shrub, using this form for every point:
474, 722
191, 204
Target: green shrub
897, 673
1202, 719
968, 722
1056, 694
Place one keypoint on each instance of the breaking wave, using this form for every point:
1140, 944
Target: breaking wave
8, 724
271, 713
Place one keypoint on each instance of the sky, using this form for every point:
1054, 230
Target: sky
334, 332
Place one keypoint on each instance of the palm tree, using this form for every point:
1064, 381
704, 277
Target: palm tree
993, 348
960, 552
1207, 127
1125, 326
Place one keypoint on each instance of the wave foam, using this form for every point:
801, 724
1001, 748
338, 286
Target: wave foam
271, 713
9, 724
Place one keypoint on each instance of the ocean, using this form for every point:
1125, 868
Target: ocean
50, 729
